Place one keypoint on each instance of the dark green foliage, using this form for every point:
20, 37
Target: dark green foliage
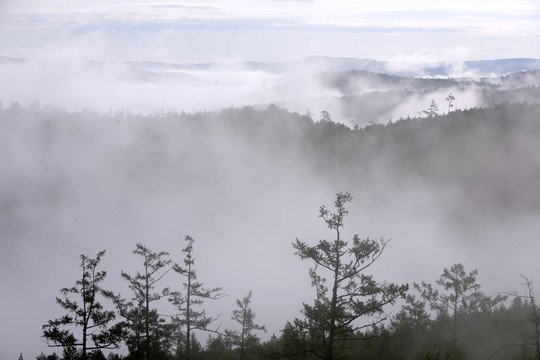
410, 328
113, 356
96, 355
528, 337
86, 313
244, 339
42, 356
332, 320
219, 347
189, 301
489, 154
145, 332
460, 307
71, 353
451, 353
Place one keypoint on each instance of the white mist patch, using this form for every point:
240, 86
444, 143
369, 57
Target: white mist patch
418, 103
82, 182
143, 87
76, 85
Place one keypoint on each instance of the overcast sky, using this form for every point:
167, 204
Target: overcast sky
199, 31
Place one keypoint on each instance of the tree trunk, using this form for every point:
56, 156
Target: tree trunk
147, 320
333, 304
85, 320
188, 315
454, 332
242, 339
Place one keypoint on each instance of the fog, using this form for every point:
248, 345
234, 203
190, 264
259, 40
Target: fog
311, 84
81, 173
101, 87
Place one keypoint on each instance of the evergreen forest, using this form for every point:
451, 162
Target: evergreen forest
486, 158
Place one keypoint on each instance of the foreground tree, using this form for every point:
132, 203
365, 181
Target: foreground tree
190, 318
97, 330
245, 316
146, 330
353, 294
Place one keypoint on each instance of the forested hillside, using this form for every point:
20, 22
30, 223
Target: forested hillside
486, 155
245, 178
355, 92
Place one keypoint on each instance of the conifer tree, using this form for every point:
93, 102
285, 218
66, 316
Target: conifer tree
86, 312
189, 301
147, 334
432, 110
244, 316
353, 293
457, 297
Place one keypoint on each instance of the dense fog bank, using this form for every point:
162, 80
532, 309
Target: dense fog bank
245, 182
353, 91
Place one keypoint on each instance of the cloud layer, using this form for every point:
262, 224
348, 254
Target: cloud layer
268, 30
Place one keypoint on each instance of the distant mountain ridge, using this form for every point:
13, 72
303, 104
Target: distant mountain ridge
481, 68
478, 68
354, 91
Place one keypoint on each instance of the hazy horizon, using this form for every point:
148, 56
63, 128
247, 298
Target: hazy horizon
270, 30
77, 177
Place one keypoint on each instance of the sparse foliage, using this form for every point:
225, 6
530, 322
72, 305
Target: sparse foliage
245, 316
187, 302
432, 110
86, 312
450, 99
353, 294
531, 338
146, 329
458, 296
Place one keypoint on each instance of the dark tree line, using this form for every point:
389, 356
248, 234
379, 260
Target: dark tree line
347, 294
450, 319
434, 322
135, 322
441, 152
97, 330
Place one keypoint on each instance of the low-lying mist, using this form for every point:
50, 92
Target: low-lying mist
245, 182
354, 92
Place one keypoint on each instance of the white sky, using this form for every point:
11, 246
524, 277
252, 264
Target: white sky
198, 31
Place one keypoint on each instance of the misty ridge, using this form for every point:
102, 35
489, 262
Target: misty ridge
354, 91
240, 156
485, 157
